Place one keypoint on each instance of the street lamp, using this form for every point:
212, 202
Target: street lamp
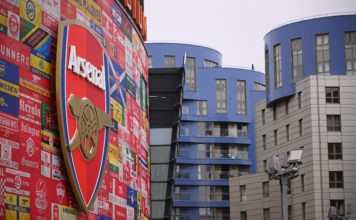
284, 172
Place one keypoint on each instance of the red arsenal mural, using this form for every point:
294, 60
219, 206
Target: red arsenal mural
73, 110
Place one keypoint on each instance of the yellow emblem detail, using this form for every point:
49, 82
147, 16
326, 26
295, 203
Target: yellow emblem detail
90, 120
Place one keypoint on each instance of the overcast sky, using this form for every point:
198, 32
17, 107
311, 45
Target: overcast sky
236, 28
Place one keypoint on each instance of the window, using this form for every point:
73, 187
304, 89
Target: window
205, 129
275, 137
185, 110
266, 214
265, 189
336, 179
287, 107
267, 70
205, 213
302, 182
243, 215
184, 131
263, 113
243, 193
224, 131
339, 206
264, 142
208, 63
202, 108
190, 73
300, 123
287, 132
259, 86
220, 95
297, 60
333, 123
332, 94
277, 66
322, 54
299, 100
204, 193
304, 211
169, 61
242, 151
289, 189
242, 130
264, 165
290, 214
335, 151
149, 61
350, 53
241, 97
274, 112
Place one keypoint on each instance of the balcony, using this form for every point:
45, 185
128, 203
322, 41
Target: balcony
201, 217
218, 132
213, 175
215, 217
216, 154
212, 197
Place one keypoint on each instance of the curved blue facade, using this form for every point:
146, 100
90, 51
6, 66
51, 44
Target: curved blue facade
213, 144
307, 31
159, 50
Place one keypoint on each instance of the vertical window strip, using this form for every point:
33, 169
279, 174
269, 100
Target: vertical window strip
190, 73
220, 95
322, 54
297, 60
277, 66
241, 97
267, 70
350, 53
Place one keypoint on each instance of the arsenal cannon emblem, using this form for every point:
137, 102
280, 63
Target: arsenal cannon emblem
83, 105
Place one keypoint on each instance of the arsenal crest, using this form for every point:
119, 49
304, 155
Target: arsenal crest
83, 105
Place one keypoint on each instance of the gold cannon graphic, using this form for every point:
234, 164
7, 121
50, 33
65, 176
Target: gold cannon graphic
90, 120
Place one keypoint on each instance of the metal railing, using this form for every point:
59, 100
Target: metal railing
184, 153
218, 132
185, 196
213, 175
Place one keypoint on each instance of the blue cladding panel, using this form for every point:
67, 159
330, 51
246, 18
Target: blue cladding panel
335, 26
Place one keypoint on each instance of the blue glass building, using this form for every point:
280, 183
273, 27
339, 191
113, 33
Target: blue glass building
215, 137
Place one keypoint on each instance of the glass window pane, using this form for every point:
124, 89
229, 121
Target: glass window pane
158, 209
159, 172
160, 154
158, 191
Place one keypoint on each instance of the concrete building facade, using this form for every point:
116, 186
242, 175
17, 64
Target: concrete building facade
310, 104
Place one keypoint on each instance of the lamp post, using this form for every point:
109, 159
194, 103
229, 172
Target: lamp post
284, 172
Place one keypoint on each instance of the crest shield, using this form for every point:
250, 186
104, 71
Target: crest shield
83, 105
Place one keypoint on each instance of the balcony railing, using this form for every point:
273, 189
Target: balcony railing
213, 154
181, 217
181, 196
201, 217
218, 132
215, 217
213, 175
212, 197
